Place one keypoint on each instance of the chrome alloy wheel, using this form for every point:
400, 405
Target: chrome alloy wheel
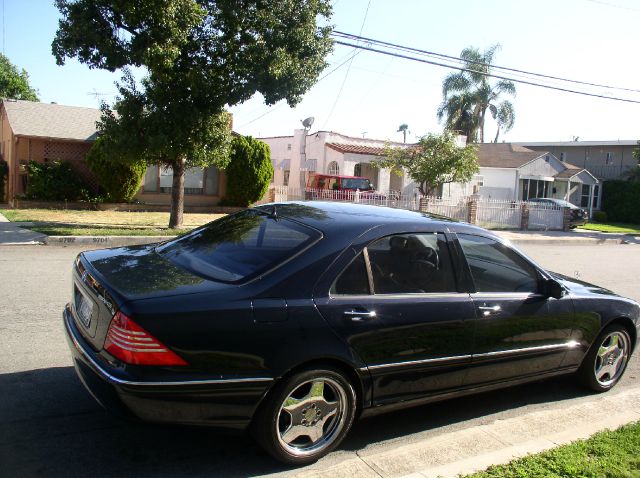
611, 358
312, 416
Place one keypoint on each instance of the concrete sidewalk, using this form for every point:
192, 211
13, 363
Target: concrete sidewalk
12, 234
476, 448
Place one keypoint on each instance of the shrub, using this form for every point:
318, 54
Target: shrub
55, 181
249, 171
600, 216
621, 201
119, 177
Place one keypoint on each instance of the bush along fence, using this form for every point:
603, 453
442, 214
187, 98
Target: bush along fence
489, 213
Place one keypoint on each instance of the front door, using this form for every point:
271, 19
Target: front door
519, 331
398, 306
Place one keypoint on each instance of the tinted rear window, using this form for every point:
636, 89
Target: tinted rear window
239, 247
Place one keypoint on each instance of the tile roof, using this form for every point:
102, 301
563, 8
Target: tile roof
505, 155
357, 149
30, 118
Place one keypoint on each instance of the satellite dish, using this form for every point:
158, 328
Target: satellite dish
308, 122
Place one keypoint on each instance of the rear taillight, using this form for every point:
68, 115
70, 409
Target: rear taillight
130, 343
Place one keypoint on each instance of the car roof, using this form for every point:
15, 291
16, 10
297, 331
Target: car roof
354, 219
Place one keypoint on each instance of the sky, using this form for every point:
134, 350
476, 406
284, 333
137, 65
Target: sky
372, 95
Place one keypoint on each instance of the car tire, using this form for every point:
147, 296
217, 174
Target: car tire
305, 416
606, 361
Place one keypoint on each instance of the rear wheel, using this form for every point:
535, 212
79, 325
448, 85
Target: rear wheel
607, 359
306, 416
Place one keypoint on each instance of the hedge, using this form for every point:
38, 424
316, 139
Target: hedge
621, 201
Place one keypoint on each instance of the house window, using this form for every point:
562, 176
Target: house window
194, 181
289, 147
333, 168
609, 159
535, 188
596, 193
584, 197
151, 179
285, 177
563, 156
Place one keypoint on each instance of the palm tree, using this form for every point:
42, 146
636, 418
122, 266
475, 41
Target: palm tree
504, 115
403, 128
473, 94
457, 110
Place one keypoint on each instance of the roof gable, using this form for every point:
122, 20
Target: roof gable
30, 118
505, 155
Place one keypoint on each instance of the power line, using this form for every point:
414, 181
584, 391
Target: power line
461, 60
346, 75
353, 53
515, 80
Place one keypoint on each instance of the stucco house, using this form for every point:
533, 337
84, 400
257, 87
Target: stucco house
294, 157
507, 171
42, 132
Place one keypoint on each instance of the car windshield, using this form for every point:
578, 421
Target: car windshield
362, 184
240, 246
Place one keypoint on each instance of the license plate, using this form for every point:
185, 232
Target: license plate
84, 309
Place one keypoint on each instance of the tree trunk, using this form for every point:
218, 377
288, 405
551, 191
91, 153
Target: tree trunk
177, 194
482, 126
497, 134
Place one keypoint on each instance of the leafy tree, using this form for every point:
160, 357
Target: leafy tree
467, 95
119, 177
249, 172
201, 56
634, 173
14, 83
435, 160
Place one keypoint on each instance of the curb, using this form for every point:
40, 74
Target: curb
103, 241
464, 451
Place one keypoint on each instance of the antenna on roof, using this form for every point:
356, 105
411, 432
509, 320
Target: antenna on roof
96, 94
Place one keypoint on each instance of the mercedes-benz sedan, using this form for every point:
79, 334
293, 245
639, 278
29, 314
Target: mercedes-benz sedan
293, 319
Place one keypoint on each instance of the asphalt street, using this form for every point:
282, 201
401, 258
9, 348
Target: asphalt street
50, 426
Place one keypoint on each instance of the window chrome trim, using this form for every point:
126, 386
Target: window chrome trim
404, 295
572, 344
504, 295
118, 381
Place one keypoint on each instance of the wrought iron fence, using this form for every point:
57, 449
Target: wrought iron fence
489, 213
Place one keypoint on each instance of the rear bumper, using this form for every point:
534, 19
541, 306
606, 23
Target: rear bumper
221, 402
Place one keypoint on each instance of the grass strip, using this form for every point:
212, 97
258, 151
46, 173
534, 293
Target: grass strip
612, 227
610, 454
78, 230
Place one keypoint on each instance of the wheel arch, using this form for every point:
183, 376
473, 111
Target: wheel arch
630, 327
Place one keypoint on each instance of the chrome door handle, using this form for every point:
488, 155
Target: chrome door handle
360, 316
489, 310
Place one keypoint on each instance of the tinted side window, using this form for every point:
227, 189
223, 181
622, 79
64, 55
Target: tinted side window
497, 268
411, 263
353, 280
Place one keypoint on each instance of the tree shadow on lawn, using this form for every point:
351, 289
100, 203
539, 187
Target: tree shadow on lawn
50, 425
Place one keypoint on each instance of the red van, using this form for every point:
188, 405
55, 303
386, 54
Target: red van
333, 186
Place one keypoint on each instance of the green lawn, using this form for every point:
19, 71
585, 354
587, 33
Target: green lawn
609, 454
57, 222
612, 227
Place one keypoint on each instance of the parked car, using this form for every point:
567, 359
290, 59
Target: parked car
332, 186
293, 319
579, 217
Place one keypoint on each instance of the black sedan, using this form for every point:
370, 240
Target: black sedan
293, 319
579, 217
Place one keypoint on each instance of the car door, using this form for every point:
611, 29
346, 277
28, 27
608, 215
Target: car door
519, 331
398, 305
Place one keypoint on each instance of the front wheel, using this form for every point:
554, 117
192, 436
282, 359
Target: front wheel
305, 417
607, 359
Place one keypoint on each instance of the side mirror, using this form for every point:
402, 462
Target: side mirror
553, 288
